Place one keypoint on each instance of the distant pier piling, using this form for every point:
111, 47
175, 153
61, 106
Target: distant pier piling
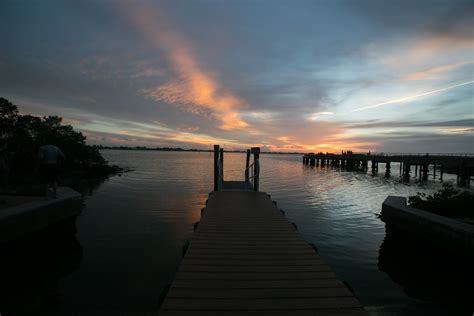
461, 165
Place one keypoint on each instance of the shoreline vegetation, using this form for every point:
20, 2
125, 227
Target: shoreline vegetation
21, 135
447, 202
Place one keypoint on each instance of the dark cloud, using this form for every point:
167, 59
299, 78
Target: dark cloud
406, 17
457, 20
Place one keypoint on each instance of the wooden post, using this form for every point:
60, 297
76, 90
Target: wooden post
247, 162
387, 169
425, 172
256, 168
464, 175
221, 152
406, 170
434, 171
216, 167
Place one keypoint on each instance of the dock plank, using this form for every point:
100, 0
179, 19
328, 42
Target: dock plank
249, 275
258, 284
260, 293
254, 269
245, 258
323, 312
260, 304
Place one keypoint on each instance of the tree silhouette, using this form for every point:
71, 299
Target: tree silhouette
22, 135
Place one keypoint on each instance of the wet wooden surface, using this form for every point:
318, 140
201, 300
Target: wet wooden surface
245, 258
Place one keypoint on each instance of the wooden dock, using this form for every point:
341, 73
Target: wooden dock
460, 164
245, 258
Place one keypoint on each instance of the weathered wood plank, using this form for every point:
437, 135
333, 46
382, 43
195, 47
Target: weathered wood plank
245, 258
197, 241
259, 293
275, 246
248, 257
254, 269
320, 312
227, 275
257, 284
236, 262
260, 304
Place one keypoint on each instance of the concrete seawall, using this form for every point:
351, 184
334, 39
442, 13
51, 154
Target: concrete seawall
20, 220
439, 229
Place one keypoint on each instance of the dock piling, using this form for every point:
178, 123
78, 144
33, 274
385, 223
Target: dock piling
221, 161
216, 167
247, 162
256, 169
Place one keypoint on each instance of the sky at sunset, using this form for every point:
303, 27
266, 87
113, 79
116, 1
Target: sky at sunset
308, 76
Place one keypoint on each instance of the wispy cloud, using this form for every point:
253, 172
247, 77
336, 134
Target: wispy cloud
457, 130
430, 73
146, 73
193, 87
316, 116
412, 97
283, 138
442, 42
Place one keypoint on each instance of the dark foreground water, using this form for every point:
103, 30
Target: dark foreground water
132, 228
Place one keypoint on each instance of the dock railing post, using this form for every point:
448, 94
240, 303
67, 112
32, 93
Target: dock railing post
221, 161
247, 162
256, 167
216, 167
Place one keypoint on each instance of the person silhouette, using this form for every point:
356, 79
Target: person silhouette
49, 157
4, 169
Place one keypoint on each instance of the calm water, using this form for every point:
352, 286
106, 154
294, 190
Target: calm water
133, 226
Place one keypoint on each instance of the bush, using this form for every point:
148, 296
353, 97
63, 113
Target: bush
447, 202
22, 135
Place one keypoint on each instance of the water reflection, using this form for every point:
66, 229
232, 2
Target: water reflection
428, 272
85, 186
31, 268
133, 227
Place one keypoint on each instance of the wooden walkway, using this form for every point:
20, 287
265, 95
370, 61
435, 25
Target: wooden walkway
245, 258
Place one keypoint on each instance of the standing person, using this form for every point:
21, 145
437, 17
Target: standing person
49, 157
4, 169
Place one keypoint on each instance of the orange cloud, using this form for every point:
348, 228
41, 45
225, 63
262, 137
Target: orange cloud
177, 136
325, 147
194, 87
283, 138
432, 45
429, 73
413, 51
